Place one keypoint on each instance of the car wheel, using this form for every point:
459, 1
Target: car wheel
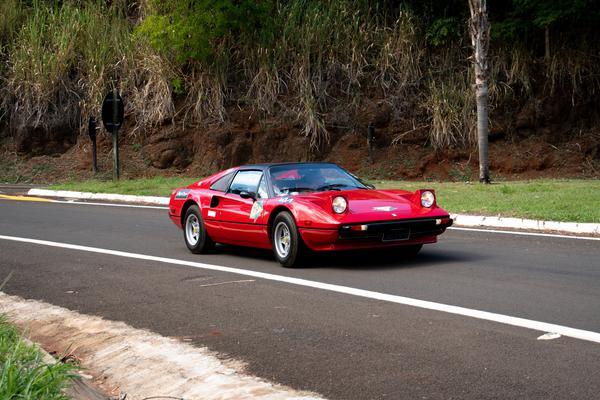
286, 240
194, 232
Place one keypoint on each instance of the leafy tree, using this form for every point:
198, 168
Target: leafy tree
522, 20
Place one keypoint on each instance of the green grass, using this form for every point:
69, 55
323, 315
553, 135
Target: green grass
23, 374
552, 200
556, 200
157, 186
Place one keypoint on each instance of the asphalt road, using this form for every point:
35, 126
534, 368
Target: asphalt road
341, 346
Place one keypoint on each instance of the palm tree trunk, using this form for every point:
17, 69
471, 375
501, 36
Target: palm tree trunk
479, 28
481, 95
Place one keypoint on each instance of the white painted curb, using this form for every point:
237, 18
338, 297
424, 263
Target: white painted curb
459, 219
126, 198
521, 223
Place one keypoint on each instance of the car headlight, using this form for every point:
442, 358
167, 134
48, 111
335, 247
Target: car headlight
339, 204
427, 198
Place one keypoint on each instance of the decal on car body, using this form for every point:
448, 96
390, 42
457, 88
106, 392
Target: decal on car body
257, 209
182, 193
285, 199
212, 213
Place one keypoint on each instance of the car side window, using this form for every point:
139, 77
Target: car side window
245, 181
222, 183
263, 192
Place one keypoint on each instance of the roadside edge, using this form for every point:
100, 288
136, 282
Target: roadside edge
459, 219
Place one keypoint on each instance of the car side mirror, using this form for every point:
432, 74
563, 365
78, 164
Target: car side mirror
247, 195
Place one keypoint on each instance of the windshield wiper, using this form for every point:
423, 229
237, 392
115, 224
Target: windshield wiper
296, 189
334, 186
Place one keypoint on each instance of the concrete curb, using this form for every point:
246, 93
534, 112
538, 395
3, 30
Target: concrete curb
459, 219
528, 224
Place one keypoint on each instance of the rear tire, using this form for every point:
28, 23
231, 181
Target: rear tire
286, 240
194, 232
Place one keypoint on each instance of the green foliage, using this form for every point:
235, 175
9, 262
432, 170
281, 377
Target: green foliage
178, 86
24, 375
188, 29
444, 31
516, 20
548, 12
11, 15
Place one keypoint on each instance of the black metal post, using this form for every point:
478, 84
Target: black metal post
115, 134
92, 134
370, 140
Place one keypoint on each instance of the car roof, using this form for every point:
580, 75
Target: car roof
264, 166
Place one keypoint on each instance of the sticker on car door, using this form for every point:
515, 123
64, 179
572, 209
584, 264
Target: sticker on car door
257, 209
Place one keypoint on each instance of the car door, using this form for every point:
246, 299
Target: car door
241, 219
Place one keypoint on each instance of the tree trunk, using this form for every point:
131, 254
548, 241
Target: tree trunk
479, 28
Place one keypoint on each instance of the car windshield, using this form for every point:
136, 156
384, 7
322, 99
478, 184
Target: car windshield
295, 178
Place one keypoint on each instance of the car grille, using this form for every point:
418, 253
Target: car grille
395, 230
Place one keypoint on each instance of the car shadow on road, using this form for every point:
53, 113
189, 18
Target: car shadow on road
380, 259
388, 259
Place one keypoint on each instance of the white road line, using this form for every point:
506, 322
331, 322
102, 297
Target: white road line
468, 312
552, 235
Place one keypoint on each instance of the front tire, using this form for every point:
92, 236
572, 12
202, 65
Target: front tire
194, 232
286, 240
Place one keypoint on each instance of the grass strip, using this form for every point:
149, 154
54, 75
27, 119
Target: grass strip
23, 373
570, 200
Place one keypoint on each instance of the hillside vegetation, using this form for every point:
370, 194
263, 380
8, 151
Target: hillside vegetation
315, 69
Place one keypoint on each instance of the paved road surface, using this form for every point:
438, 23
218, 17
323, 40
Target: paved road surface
342, 346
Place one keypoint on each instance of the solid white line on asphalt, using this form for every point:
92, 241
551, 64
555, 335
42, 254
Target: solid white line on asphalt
552, 235
468, 312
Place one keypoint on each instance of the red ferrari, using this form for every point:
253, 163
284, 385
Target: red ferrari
293, 206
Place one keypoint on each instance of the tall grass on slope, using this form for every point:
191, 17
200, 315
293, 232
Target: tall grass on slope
39, 64
24, 375
334, 52
11, 14
63, 58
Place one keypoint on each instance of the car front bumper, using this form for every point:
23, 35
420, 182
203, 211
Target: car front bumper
376, 234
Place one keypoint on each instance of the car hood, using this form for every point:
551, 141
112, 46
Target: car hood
377, 201
373, 205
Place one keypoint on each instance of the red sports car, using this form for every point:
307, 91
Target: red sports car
292, 206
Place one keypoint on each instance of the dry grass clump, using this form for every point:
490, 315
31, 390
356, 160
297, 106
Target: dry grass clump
451, 109
149, 87
62, 60
39, 63
575, 69
400, 60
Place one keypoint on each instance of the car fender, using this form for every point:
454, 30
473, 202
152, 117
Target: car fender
306, 213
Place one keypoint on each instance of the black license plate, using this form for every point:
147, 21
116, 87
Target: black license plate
403, 234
